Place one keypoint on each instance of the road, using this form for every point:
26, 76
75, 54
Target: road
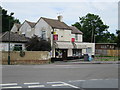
60, 76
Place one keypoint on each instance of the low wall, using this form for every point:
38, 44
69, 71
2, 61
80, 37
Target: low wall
28, 57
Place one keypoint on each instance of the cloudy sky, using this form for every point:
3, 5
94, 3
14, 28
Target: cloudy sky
70, 10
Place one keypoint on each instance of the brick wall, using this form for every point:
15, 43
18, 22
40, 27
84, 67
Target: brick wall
30, 57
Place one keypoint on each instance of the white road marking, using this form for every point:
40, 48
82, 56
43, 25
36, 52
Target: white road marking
76, 80
54, 82
32, 83
96, 79
62, 84
55, 85
11, 87
63, 65
35, 86
8, 84
70, 85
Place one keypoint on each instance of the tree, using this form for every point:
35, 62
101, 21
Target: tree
93, 28
118, 42
37, 44
7, 20
118, 38
107, 37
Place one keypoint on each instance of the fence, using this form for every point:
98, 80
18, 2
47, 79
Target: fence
27, 57
107, 55
107, 52
113, 52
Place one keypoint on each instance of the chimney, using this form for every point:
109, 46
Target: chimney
60, 17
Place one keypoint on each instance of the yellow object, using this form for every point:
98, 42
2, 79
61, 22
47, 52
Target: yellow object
54, 33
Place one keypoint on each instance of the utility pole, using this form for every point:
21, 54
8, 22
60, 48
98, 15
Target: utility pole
53, 41
92, 34
9, 41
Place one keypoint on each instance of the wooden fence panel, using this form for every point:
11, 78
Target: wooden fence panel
113, 53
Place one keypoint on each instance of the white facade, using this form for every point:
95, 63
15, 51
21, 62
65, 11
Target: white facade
88, 48
4, 46
43, 26
26, 29
80, 37
14, 28
30, 33
63, 35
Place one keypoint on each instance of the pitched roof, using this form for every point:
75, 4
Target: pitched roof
32, 24
14, 37
75, 30
17, 25
0, 34
106, 43
54, 23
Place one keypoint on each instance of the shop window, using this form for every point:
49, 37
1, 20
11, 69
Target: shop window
77, 52
89, 50
58, 53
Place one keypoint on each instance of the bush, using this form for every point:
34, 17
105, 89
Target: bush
38, 44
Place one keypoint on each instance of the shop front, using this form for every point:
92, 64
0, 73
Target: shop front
69, 50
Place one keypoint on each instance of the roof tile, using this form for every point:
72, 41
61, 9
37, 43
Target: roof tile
14, 37
75, 30
56, 24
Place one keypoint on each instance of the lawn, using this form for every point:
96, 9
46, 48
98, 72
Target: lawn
106, 58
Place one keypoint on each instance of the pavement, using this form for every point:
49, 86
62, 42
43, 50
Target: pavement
86, 62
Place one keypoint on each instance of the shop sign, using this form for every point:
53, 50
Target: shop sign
55, 37
72, 39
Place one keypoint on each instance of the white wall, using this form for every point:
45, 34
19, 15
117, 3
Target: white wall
63, 35
70, 52
14, 28
42, 25
25, 28
89, 45
4, 46
80, 37
31, 33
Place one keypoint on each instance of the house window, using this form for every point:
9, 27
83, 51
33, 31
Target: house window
17, 47
23, 33
43, 35
76, 36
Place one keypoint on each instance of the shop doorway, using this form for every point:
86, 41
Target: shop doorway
61, 54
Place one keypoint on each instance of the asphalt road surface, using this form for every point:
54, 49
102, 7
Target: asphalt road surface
60, 76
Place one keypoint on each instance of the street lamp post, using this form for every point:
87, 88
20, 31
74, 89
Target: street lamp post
9, 41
